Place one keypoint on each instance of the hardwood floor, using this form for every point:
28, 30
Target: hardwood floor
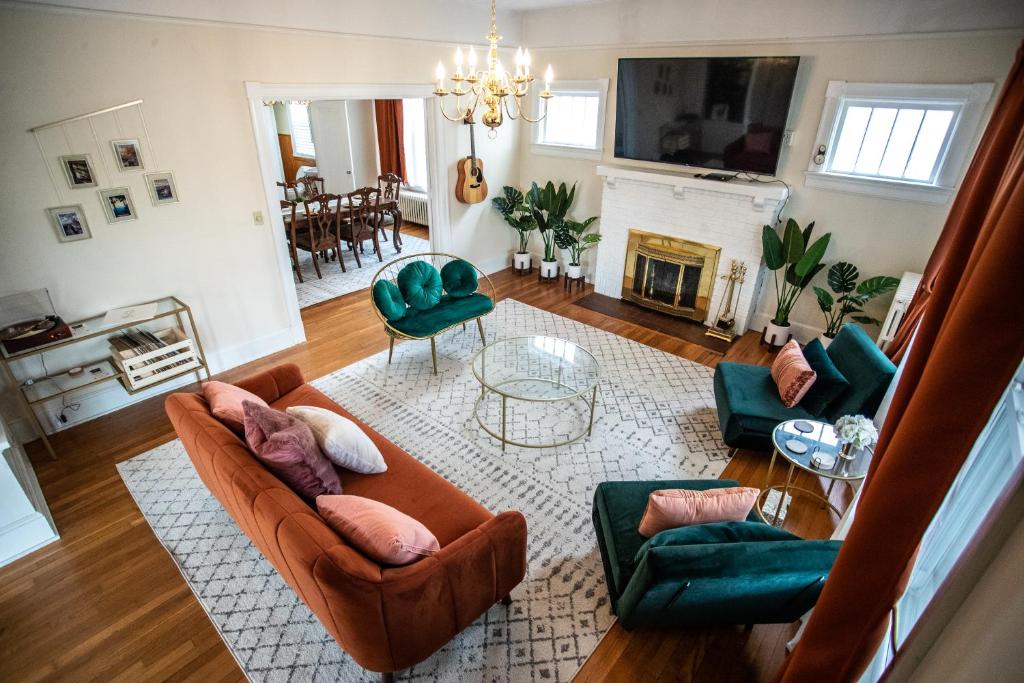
107, 602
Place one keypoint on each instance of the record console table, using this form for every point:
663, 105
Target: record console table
139, 357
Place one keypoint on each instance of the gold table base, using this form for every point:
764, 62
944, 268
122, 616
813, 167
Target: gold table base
785, 489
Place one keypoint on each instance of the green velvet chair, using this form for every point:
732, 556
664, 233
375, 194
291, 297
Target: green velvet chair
420, 296
706, 574
748, 402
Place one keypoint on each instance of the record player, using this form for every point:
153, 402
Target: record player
28, 334
28, 320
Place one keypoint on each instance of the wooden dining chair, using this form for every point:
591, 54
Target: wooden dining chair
292, 192
390, 187
288, 210
322, 220
360, 222
312, 185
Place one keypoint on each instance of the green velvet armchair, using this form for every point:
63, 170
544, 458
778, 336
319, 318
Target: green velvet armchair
420, 296
749, 407
706, 574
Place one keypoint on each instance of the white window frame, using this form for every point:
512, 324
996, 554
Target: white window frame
291, 124
970, 101
598, 87
422, 132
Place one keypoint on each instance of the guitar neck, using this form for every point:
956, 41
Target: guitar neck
472, 146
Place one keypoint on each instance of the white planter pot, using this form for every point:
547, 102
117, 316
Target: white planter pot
825, 341
549, 268
521, 261
574, 271
776, 335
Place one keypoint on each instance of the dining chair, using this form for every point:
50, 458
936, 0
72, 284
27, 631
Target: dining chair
312, 185
288, 210
390, 187
361, 224
324, 234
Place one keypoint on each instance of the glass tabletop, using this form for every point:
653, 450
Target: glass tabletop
820, 440
536, 368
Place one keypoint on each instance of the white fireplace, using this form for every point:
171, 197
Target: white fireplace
728, 215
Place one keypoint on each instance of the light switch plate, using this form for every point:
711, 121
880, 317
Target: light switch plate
257, 218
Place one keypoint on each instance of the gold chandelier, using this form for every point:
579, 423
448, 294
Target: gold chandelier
495, 86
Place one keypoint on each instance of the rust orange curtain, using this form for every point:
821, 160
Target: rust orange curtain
969, 343
389, 136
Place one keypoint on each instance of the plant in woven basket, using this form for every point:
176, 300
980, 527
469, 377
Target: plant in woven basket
517, 214
850, 296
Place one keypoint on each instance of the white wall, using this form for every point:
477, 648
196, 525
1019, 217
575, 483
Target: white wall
880, 236
206, 248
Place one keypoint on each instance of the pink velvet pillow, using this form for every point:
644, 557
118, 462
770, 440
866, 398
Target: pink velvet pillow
226, 403
288, 448
792, 374
671, 508
379, 531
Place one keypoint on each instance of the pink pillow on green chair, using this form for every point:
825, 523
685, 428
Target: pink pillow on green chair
378, 530
226, 403
671, 508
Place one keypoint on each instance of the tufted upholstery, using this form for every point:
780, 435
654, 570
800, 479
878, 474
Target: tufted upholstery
459, 278
386, 618
388, 300
420, 284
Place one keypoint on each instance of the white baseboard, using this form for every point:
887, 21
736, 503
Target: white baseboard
23, 536
240, 354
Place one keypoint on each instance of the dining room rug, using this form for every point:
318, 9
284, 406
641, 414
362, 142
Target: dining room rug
334, 283
655, 419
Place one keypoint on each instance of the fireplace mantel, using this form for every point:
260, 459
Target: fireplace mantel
728, 215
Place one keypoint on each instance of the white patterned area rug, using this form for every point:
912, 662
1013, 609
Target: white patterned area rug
335, 283
655, 419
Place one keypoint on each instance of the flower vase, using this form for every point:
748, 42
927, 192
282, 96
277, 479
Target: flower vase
847, 452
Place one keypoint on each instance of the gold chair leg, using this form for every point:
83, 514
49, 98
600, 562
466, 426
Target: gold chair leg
480, 326
391, 348
433, 353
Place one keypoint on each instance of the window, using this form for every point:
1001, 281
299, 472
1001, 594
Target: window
302, 133
414, 140
574, 124
896, 140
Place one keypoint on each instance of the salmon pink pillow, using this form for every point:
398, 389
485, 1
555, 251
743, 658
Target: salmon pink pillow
226, 403
379, 531
792, 374
671, 508
288, 448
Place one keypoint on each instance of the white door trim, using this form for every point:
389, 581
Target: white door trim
437, 168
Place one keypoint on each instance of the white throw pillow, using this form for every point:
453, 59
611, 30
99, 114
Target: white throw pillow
341, 440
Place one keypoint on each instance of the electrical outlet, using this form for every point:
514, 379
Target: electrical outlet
257, 218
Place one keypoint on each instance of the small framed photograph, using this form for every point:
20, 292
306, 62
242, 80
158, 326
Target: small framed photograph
70, 223
162, 189
118, 205
78, 170
128, 154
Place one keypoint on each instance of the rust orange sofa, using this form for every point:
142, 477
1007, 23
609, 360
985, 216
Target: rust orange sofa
386, 618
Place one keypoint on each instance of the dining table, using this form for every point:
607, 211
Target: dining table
384, 206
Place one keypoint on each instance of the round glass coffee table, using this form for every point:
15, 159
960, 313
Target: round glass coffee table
540, 370
811, 446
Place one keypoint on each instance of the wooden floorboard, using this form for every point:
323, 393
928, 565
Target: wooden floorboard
106, 602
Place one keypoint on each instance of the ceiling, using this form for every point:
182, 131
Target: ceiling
523, 5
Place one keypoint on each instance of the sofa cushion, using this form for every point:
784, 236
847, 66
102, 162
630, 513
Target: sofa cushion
749, 407
388, 300
450, 311
379, 531
830, 383
288, 448
618, 509
865, 367
226, 403
408, 485
670, 508
341, 440
459, 278
793, 376
420, 285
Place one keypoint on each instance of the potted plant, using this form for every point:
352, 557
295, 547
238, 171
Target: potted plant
795, 261
850, 297
572, 236
517, 214
549, 206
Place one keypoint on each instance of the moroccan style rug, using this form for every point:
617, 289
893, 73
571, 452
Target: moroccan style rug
335, 283
655, 420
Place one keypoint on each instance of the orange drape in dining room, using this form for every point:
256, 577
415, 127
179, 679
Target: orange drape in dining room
969, 344
389, 136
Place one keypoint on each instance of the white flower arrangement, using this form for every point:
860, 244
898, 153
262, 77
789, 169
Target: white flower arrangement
856, 430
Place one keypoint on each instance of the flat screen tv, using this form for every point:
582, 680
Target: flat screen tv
725, 113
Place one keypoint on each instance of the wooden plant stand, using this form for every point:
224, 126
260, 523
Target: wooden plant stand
568, 282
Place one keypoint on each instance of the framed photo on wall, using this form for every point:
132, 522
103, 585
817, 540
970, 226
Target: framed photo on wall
78, 170
70, 223
128, 154
162, 189
118, 205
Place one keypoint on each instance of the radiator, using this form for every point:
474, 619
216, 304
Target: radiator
413, 206
900, 302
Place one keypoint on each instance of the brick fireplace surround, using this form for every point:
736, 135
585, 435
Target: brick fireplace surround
725, 214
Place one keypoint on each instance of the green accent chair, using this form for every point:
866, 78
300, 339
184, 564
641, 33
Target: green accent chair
706, 574
420, 296
749, 407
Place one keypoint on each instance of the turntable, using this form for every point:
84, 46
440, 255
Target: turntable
28, 334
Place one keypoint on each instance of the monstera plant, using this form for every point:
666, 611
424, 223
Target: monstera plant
513, 208
794, 261
572, 236
549, 206
849, 297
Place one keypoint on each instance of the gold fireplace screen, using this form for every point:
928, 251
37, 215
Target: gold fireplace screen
669, 274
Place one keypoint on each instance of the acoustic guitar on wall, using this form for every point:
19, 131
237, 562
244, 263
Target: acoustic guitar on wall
471, 188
